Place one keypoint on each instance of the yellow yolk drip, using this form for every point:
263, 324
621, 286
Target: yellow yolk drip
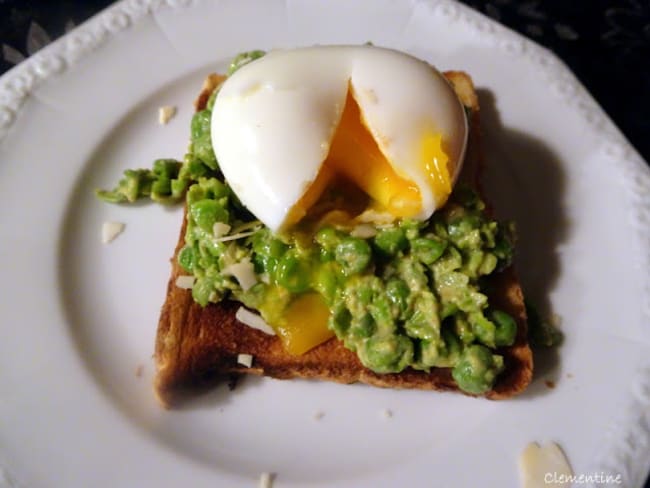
315, 190
304, 324
354, 153
436, 167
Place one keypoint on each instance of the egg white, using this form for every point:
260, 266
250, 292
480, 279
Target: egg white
274, 119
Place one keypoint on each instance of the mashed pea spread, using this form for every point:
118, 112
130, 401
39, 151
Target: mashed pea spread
401, 294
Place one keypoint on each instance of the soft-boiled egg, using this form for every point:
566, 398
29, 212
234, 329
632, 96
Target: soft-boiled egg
287, 125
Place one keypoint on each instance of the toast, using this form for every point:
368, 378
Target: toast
197, 346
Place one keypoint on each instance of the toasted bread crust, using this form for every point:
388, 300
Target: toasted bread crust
196, 345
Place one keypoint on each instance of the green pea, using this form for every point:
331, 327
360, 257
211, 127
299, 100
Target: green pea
267, 251
381, 312
411, 228
193, 168
266, 245
473, 263
362, 327
211, 99
429, 353
340, 321
440, 230
477, 369
390, 241
489, 231
187, 258
459, 226
205, 213
265, 264
463, 330
413, 273
451, 260
326, 281
427, 250
363, 293
465, 231
202, 290
161, 189
163, 173
506, 328
244, 58
353, 255
448, 309
202, 139
424, 322
293, 273
134, 184
398, 293
484, 329
208, 247
200, 124
386, 354
276, 248
471, 300
168, 168
328, 238
178, 188
214, 188
442, 352
488, 265
194, 194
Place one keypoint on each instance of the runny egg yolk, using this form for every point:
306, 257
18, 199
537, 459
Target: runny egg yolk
355, 155
304, 324
435, 162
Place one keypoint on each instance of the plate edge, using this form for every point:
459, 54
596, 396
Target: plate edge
18, 84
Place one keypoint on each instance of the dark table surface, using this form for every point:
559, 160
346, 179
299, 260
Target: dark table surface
605, 42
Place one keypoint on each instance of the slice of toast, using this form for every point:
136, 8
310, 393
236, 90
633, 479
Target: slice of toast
196, 346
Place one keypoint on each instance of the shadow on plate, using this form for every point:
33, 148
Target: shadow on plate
525, 181
215, 392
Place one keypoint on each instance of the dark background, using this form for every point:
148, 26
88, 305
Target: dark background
605, 42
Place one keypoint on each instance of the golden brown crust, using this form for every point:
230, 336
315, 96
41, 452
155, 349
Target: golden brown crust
195, 345
212, 81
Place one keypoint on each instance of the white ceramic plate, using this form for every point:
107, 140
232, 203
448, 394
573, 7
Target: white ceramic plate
79, 317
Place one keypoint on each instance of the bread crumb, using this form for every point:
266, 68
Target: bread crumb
319, 414
569, 375
139, 370
549, 383
110, 230
165, 114
185, 282
245, 360
266, 480
387, 413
